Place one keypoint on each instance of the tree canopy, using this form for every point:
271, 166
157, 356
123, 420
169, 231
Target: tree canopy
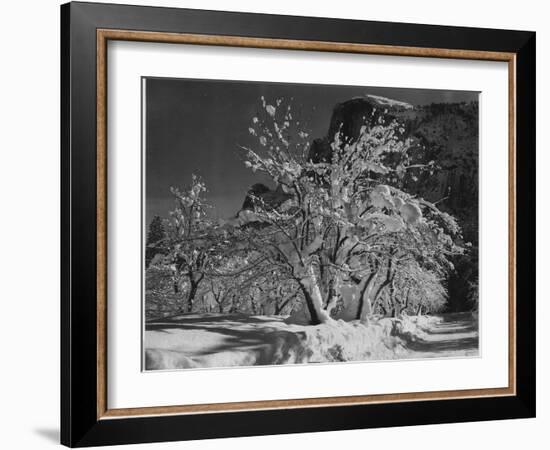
339, 237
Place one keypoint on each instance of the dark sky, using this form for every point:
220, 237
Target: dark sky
195, 126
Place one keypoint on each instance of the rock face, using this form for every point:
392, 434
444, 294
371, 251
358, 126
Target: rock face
350, 116
259, 192
450, 135
445, 133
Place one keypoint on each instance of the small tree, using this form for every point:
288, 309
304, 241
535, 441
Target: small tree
192, 241
160, 299
415, 290
155, 240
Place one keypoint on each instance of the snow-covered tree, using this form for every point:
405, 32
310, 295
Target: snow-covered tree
413, 290
191, 240
338, 228
155, 237
160, 297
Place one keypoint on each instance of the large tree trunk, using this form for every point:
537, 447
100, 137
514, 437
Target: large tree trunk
395, 302
314, 299
376, 295
387, 280
309, 303
364, 304
194, 282
191, 295
405, 303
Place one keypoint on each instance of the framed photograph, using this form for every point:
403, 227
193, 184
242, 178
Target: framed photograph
276, 224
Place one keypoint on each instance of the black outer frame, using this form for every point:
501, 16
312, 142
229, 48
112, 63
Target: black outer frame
79, 423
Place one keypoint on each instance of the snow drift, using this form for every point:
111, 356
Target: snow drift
222, 340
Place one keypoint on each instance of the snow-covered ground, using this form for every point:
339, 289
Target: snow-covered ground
224, 340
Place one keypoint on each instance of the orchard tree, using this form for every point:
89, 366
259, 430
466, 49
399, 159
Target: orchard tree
217, 294
192, 241
340, 227
414, 290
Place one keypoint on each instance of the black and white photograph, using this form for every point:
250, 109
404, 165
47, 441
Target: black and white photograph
285, 225
297, 223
